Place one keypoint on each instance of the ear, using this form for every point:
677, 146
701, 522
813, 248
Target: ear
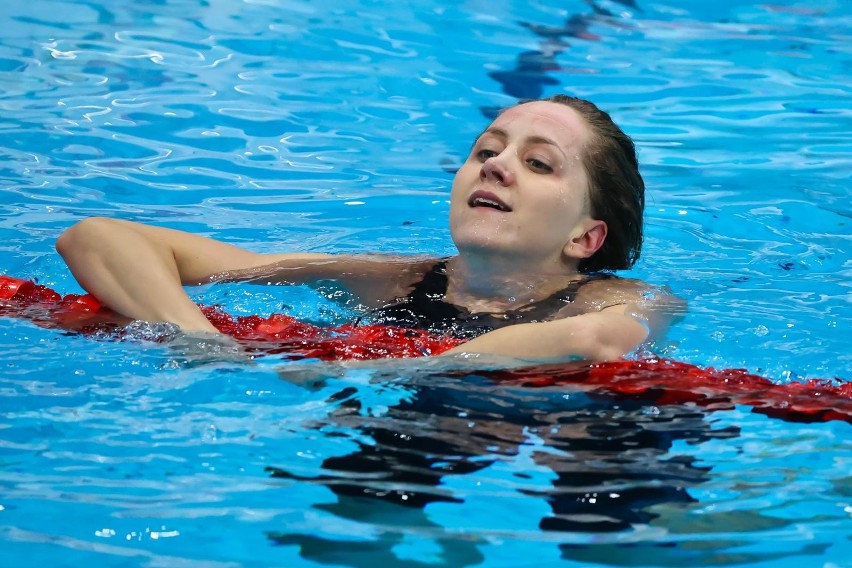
588, 237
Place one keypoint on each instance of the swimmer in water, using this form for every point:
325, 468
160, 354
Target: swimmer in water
549, 199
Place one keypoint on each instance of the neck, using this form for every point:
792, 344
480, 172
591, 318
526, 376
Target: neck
498, 282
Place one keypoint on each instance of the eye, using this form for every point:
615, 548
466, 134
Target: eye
539, 166
484, 154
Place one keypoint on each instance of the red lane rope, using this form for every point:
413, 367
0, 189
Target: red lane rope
665, 381
661, 381
280, 333
277, 333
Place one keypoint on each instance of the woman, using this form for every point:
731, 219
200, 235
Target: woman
550, 194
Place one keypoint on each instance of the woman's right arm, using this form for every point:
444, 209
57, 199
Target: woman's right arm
139, 271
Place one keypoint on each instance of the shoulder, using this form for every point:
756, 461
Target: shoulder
406, 270
601, 290
378, 279
654, 306
372, 278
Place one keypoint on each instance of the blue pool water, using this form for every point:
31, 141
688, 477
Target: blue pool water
281, 125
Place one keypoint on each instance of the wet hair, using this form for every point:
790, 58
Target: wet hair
616, 188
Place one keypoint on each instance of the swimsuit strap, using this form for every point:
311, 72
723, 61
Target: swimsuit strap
434, 283
424, 307
547, 306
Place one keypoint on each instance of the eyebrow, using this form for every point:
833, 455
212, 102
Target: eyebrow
500, 133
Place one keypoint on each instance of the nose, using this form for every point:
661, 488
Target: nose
495, 169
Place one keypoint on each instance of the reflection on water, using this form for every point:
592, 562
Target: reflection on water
609, 460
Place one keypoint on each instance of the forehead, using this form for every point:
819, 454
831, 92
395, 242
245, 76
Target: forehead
556, 121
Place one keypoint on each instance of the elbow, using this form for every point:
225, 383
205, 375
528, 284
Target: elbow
606, 343
601, 349
607, 353
83, 236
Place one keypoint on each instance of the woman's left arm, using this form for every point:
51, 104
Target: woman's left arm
598, 336
611, 319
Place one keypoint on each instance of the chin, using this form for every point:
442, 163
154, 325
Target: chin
482, 245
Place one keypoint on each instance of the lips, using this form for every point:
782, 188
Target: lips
481, 198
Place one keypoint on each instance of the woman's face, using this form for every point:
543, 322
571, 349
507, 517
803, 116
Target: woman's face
523, 192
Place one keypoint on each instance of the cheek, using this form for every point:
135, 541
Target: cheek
559, 198
463, 181
572, 195
561, 206
454, 189
457, 199
468, 171
455, 202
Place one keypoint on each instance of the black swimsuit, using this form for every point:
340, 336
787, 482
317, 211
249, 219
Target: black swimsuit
424, 308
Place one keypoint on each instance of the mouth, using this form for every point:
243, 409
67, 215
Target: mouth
487, 199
